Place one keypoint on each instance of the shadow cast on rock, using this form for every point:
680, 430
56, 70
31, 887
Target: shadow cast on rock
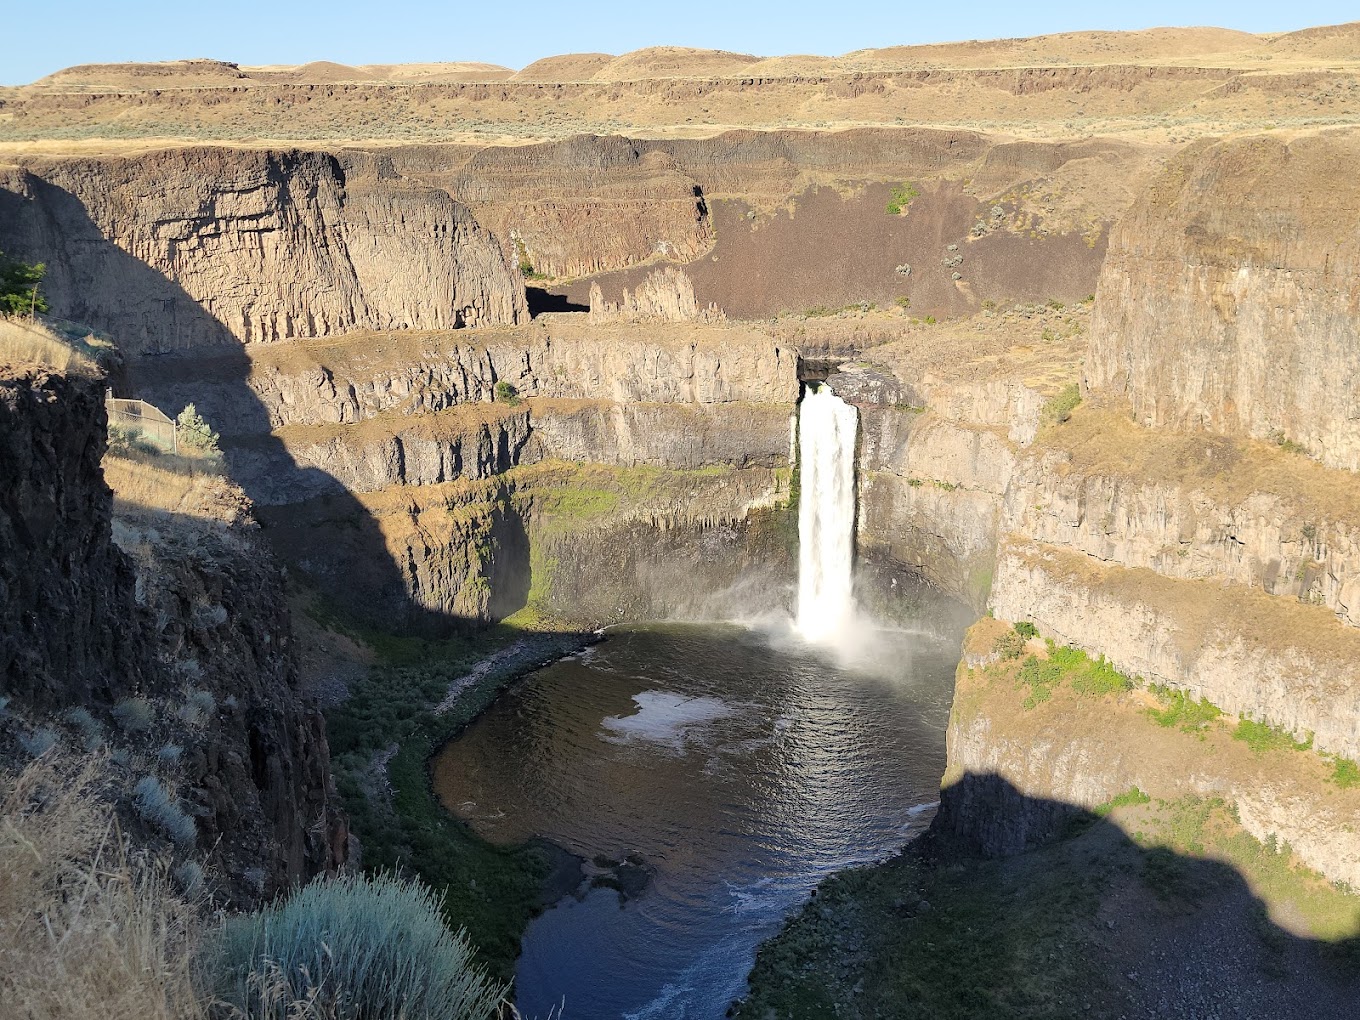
182, 354
1020, 906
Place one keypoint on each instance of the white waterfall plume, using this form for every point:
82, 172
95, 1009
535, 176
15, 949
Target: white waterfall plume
826, 514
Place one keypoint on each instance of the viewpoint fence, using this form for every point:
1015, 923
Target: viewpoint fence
144, 421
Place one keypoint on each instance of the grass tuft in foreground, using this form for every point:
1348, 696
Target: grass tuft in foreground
87, 931
357, 946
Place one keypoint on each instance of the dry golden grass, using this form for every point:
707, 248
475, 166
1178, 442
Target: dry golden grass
88, 931
1102, 439
448, 423
1160, 86
164, 486
23, 341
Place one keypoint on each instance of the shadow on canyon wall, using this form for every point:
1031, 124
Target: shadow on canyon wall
1019, 906
541, 300
93, 281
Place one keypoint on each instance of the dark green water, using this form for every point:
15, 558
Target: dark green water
742, 770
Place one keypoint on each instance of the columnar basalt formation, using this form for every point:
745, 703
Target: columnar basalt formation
666, 295
68, 609
418, 478
182, 613
1229, 297
192, 248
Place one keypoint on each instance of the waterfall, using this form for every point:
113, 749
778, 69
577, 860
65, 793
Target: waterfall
826, 513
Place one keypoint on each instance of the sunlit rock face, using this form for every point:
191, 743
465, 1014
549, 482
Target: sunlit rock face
191, 248
1228, 298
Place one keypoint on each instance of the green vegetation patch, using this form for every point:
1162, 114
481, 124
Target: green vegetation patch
940, 932
1059, 408
580, 503
917, 939
1091, 678
1040, 676
1009, 645
1182, 711
20, 287
1262, 737
900, 199
1129, 798
1345, 773
384, 734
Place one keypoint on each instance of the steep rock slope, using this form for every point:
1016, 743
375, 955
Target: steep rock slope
423, 479
1215, 570
590, 204
192, 248
1230, 297
180, 617
67, 612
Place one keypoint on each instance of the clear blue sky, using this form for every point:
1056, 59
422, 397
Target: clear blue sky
45, 35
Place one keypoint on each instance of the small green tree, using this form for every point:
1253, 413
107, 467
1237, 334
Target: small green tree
1059, 408
507, 394
194, 432
19, 290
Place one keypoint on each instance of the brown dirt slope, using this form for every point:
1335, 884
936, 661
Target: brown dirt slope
1153, 46
568, 67
674, 62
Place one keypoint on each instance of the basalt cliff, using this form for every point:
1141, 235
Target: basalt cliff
1106, 383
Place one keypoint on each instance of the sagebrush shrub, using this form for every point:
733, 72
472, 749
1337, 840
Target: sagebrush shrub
156, 807
133, 714
197, 707
39, 742
91, 730
1060, 407
194, 432
358, 946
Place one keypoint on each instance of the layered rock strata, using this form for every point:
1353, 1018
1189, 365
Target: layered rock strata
1032, 769
193, 248
419, 479
666, 295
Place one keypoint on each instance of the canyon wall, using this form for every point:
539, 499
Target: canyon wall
196, 248
426, 480
1230, 297
1193, 522
1020, 773
170, 630
585, 472
66, 593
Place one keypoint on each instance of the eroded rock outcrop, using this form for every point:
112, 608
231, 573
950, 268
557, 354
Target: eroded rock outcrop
182, 613
1019, 772
69, 625
399, 469
666, 295
346, 381
192, 248
1270, 659
1229, 299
